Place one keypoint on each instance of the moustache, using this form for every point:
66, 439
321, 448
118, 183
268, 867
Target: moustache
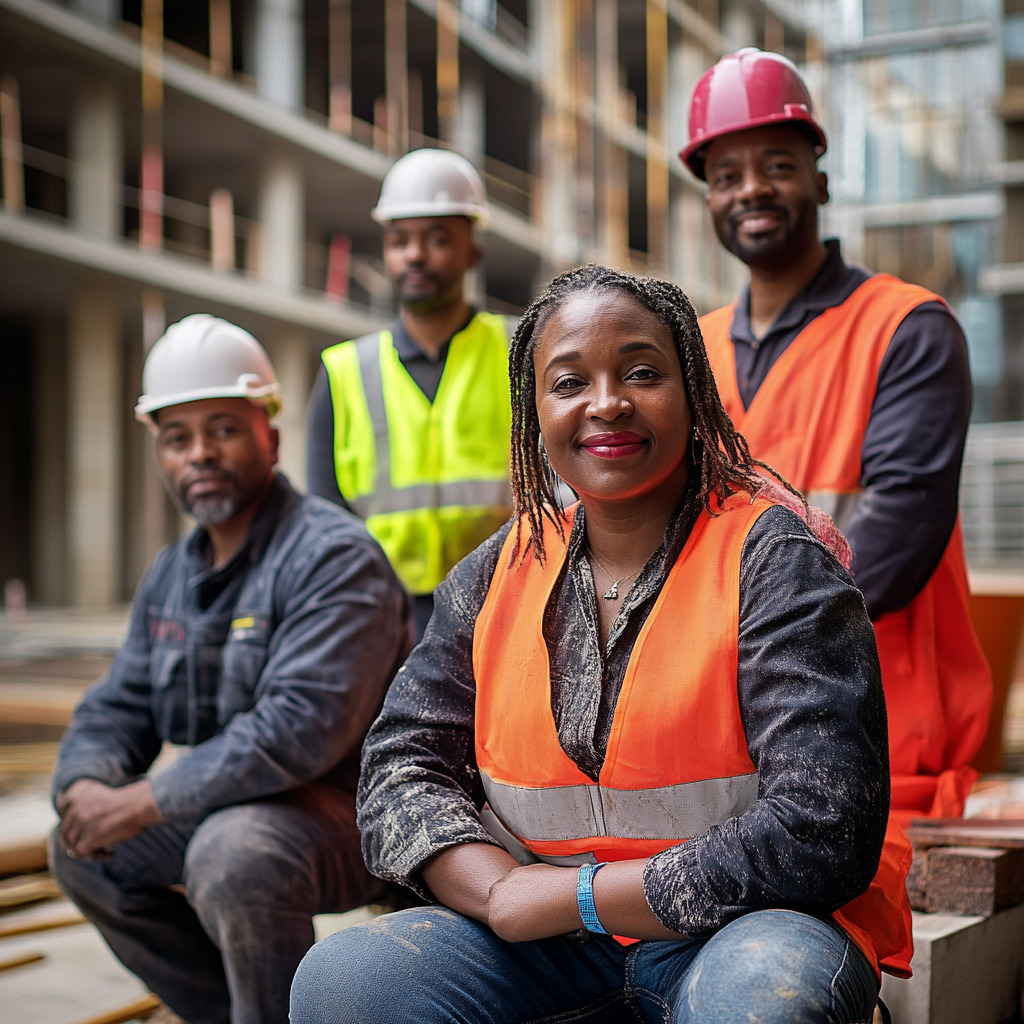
428, 274
733, 219
195, 476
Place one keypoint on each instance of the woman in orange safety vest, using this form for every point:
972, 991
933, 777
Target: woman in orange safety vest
639, 758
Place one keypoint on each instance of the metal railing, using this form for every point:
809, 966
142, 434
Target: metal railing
992, 495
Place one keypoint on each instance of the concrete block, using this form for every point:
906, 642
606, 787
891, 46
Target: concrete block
965, 969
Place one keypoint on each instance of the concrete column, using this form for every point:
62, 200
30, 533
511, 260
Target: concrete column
280, 53
470, 128
96, 153
95, 414
293, 364
102, 12
282, 217
48, 580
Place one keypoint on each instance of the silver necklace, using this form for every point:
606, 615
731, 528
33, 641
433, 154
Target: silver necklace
612, 593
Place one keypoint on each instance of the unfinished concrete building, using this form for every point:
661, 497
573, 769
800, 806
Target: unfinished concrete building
223, 156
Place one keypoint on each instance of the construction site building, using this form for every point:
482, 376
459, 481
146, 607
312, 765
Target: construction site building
224, 155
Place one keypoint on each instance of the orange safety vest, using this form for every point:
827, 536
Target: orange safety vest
808, 421
653, 791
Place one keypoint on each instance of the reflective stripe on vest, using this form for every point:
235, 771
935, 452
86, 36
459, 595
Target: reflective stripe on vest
808, 421
429, 478
387, 498
685, 811
676, 762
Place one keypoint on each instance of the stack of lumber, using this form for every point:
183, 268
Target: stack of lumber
966, 866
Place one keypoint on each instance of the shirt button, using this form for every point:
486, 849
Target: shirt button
755, 345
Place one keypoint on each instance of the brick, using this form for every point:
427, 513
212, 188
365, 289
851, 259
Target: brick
917, 880
970, 880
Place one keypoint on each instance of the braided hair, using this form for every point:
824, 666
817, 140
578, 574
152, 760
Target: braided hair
720, 451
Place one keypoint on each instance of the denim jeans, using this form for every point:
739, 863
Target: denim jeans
253, 876
431, 965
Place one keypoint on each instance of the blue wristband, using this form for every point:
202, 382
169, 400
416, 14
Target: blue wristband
585, 898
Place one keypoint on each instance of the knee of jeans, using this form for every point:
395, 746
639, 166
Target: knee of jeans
363, 973
769, 966
230, 864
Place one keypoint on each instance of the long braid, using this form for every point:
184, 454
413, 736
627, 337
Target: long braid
726, 465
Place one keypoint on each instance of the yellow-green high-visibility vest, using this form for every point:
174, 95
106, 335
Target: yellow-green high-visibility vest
431, 479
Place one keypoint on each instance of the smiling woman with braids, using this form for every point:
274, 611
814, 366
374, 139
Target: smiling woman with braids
656, 716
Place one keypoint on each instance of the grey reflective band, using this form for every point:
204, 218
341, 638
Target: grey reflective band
387, 499
840, 505
562, 813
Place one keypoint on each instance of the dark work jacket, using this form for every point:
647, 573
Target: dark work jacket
270, 669
810, 696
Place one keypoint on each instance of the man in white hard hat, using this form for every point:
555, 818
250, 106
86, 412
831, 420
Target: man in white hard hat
262, 643
410, 426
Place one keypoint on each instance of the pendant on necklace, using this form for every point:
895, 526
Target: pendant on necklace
612, 593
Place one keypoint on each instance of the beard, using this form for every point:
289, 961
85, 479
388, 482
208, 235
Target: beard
209, 509
799, 230
433, 293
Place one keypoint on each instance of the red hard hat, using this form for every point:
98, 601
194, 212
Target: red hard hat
747, 89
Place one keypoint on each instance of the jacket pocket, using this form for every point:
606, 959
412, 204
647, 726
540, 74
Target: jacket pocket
243, 659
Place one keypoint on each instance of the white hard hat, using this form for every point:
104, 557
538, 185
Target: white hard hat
432, 183
203, 356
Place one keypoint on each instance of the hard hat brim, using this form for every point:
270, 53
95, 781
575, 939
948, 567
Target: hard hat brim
692, 154
480, 215
268, 396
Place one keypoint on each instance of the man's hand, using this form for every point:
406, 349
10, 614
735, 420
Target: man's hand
96, 816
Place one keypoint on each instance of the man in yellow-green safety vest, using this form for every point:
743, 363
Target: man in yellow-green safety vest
409, 427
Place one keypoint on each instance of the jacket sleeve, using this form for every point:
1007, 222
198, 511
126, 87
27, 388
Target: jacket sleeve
321, 477
911, 457
811, 699
112, 736
419, 790
344, 628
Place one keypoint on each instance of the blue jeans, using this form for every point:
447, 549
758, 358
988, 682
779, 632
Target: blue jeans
225, 948
433, 966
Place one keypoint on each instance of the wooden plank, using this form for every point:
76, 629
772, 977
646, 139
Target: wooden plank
45, 925
28, 758
17, 892
21, 961
139, 1010
23, 858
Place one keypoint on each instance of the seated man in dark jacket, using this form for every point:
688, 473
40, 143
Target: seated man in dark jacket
263, 642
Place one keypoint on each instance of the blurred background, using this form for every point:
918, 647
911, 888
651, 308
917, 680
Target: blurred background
223, 155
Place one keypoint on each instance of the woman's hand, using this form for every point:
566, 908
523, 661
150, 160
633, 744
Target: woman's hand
534, 902
523, 904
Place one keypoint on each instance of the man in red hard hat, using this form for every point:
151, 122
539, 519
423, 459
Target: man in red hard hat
856, 387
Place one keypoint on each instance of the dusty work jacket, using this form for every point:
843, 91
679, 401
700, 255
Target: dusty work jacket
809, 695
653, 792
808, 421
269, 669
